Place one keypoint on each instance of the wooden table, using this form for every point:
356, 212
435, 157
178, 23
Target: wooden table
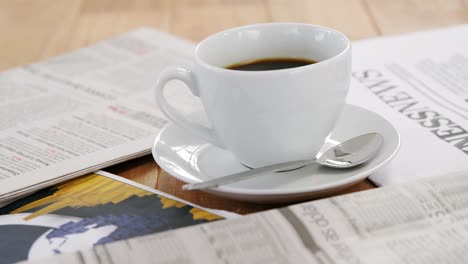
34, 30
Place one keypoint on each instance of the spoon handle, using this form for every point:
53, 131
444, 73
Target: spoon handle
246, 174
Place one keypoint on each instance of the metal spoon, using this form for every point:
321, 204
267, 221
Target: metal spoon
348, 154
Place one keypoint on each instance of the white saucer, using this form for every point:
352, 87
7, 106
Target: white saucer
190, 159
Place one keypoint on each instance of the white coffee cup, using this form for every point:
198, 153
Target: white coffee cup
266, 117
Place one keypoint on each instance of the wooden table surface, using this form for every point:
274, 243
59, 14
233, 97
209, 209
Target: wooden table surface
35, 30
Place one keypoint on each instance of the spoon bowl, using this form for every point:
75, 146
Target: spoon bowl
353, 152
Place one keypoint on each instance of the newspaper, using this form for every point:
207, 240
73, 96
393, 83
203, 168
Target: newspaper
423, 222
85, 110
419, 82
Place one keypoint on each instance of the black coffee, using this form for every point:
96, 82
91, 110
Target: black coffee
270, 64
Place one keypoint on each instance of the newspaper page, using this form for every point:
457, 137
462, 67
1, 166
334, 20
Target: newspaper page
423, 222
84, 110
419, 82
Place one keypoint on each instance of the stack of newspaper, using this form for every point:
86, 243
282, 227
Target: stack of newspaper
85, 110
91, 108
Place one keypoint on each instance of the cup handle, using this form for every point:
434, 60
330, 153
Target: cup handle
175, 116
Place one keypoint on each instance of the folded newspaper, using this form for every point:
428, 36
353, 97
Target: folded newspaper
423, 222
91, 108
83, 111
